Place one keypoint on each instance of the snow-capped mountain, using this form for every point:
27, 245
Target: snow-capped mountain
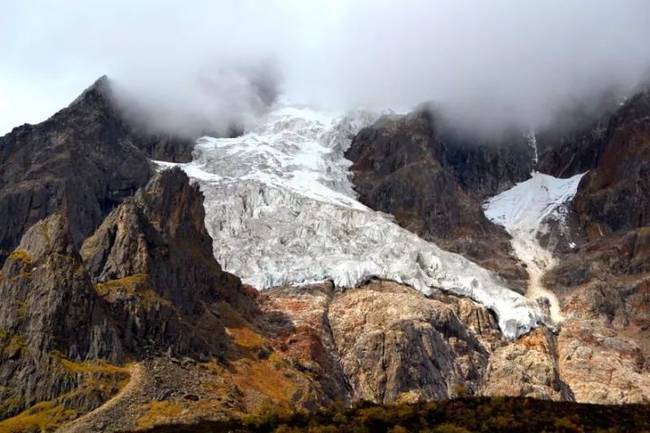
122, 285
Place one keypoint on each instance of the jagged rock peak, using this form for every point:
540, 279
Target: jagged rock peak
159, 235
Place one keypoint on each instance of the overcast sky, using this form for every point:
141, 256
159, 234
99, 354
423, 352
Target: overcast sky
494, 61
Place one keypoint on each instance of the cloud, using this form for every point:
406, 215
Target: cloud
198, 65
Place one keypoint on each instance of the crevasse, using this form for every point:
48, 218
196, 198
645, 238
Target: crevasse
282, 211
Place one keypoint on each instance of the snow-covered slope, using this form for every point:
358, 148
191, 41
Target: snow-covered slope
281, 210
522, 211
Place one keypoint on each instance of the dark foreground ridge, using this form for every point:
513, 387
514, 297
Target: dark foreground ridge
505, 415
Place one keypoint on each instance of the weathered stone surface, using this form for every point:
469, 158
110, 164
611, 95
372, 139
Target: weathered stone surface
604, 344
574, 141
614, 196
151, 260
433, 185
527, 368
83, 161
145, 284
602, 366
49, 311
396, 344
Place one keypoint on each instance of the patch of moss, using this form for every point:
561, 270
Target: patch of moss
241, 332
132, 285
22, 309
20, 255
129, 283
159, 412
261, 376
45, 416
15, 346
98, 379
91, 367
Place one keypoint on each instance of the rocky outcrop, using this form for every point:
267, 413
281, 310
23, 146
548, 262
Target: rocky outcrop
574, 141
527, 367
486, 166
151, 261
145, 284
82, 162
50, 313
604, 345
602, 365
433, 181
614, 195
396, 345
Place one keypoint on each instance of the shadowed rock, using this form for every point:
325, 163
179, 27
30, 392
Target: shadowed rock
82, 161
433, 184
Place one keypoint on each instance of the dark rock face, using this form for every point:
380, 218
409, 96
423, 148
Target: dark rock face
145, 283
615, 196
49, 311
574, 142
83, 161
433, 185
567, 153
486, 167
163, 147
151, 260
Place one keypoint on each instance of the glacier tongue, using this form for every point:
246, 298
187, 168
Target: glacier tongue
282, 211
523, 211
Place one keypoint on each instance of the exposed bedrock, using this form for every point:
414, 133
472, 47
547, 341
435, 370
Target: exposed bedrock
145, 284
82, 162
433, 181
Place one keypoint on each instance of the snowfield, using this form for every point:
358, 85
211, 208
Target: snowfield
523, 211
281, 210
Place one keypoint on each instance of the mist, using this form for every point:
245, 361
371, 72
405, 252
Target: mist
204, 66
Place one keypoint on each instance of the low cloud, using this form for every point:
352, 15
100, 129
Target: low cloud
208, 65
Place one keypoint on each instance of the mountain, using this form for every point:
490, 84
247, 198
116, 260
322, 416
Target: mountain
82, 161
318, 261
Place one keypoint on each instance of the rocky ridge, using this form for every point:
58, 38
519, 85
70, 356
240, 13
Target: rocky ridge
82, 162
433, 181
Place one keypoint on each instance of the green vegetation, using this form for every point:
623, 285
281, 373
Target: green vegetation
97, 380
159, 411
132, 285
466, 415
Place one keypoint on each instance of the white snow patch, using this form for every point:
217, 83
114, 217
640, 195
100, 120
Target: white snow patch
281, 210
522, 211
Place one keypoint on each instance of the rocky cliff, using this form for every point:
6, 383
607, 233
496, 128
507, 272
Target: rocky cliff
143, 285
433, 181
614, 195
82, 162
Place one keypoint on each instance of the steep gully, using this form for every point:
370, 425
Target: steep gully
524, 211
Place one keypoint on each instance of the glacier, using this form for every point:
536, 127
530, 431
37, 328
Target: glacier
524, 211
281, 210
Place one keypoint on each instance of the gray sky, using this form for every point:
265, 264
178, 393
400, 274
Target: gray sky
191, 64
